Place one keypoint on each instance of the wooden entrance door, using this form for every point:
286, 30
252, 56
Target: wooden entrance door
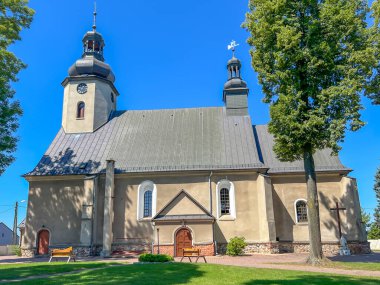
183, 240
43, 242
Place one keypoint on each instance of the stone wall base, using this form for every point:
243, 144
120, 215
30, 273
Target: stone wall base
208, 249
25, 252
205, 249
294, 247
85, 251
327, 248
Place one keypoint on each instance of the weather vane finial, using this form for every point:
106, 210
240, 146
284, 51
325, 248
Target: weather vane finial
232, 47
94, 25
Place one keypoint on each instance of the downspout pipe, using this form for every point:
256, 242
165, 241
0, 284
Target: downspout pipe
213, 224
210, 189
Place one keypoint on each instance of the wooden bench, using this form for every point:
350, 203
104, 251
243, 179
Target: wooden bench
67, 253
192, 252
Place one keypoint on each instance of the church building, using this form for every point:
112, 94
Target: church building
162, 180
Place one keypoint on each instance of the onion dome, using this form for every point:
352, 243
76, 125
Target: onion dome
92, 61
234, 75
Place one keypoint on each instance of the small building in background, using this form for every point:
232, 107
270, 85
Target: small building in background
6, 235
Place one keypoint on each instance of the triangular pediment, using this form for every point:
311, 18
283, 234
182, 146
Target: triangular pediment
185, 206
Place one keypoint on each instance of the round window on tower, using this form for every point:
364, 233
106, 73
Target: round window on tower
112, 97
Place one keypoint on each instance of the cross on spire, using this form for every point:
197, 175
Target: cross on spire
94, 25
232, 47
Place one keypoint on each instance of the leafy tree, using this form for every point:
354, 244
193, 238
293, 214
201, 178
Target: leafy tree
314, 59
14, 16
374, 40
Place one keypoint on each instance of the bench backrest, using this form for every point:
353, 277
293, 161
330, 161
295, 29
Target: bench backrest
191, 251
63, 251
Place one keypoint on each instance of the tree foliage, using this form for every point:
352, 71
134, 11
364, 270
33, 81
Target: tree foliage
374, 231
313, 59
376, 188
366, 218
14, 16
374, 40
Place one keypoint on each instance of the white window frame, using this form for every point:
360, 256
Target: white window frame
231, 188
143, 187
295, 211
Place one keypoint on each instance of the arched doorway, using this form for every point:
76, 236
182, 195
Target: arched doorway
43, 242
183, 240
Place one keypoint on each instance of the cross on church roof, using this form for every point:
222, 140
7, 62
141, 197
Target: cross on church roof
94, 25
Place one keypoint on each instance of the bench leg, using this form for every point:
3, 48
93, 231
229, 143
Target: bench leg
182, 259
197, 259
205, 259
68, 260
189, 258
50, 259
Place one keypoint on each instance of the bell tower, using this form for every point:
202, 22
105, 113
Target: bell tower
89, 91
235, 93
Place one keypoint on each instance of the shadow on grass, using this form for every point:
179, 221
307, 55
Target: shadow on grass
16, 271
131, 274
315, 280
204, 274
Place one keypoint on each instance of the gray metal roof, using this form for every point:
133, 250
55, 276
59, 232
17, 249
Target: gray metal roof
323, 159
156, 140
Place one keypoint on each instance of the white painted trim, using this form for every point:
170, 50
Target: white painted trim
295, 211
143, 187
226, 184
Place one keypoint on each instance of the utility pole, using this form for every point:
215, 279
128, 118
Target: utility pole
14, 236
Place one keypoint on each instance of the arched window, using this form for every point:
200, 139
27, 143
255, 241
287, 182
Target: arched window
301, 211
225, 201
146, 200
148, 204
225, 195
80, 110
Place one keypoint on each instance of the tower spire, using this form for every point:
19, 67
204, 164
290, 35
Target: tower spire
94, 25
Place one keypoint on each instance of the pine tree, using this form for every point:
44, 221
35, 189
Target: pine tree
376, 188
314, 59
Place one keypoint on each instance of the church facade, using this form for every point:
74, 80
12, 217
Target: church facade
161, 180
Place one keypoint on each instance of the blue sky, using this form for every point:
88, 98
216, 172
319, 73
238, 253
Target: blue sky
165, 54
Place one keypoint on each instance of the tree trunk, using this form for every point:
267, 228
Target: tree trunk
315, 256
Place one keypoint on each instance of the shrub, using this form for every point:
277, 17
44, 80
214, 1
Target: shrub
16, 250
147, 257
236, 246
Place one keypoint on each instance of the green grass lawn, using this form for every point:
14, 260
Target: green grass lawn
14, 271
205, 274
